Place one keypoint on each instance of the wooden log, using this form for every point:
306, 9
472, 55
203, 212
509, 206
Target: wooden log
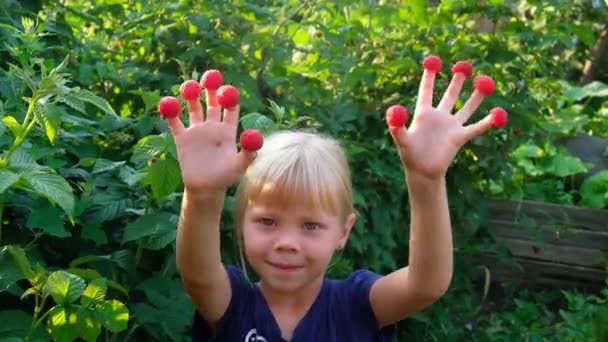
566, 255
556, 246
543, 274
550, 234
549, 213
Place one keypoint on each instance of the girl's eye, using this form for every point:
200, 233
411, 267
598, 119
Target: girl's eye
267, 221
311, 226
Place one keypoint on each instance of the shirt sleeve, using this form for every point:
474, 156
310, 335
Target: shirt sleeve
356, 300
357, 289
240, 287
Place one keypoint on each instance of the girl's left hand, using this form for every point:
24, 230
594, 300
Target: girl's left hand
429, 144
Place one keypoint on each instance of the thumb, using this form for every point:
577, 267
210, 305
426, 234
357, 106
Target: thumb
245, 158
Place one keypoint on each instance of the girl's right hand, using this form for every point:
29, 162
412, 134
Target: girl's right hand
207, 153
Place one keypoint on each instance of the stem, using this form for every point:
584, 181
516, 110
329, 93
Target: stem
1, 214
28, 127
140, 247
35, 321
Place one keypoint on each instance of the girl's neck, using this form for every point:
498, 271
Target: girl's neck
302, 299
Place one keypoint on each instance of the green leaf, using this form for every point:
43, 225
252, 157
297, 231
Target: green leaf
594, 190
94, 232
164, 177
593, 89
12, 124
114, 315
50, 220
596, 89
64, 287
63, 323
94, 293
169, 296
7, 179
95, 100
150, 225
24, 160
528, 151
563, 165
259, 122
89, 327
53, 187
148, 147
50, 118
161, 241
15, 323
72, 101
104, 165
10, 272
22, 261
3, 126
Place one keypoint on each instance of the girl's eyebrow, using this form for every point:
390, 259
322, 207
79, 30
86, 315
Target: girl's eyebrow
260, 211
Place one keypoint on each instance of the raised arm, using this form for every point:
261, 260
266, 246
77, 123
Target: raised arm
209, 163
426, 149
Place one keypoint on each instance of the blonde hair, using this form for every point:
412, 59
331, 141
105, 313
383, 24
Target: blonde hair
309, 168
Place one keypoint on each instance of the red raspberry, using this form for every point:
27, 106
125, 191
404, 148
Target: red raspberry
484, 84
212, 79
464, 67
432, 63
190, 90
499, 117
251, 140
228, 96
169, 107
396, 115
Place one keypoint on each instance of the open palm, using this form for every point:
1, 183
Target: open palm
430, 143
207, 153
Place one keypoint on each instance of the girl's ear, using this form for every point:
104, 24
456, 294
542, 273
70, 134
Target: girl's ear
346, 229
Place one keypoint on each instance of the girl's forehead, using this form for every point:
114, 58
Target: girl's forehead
292, 209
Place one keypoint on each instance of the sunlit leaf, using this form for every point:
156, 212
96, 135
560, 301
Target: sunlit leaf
64, 287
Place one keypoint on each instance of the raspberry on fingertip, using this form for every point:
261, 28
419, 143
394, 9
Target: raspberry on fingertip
485, 85
499, 117
432, 63
464, 67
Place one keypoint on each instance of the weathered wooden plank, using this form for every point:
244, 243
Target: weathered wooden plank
549, 213
549, 234
544, 274
562, 254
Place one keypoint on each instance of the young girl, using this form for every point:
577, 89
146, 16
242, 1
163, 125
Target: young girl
294, 209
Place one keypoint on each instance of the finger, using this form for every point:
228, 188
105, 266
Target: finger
231, 117
451, 95
245, 158
399, 135
432, 66
176, 125
425, 92
214, 111
190, 91
196, 111
476, 129
469, 107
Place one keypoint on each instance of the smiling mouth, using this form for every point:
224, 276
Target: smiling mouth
285, 267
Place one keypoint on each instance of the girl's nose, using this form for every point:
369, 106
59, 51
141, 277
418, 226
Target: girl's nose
288, 242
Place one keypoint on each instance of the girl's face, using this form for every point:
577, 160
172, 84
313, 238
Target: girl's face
291, 248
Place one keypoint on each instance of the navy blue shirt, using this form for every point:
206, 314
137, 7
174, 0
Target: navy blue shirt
341, 313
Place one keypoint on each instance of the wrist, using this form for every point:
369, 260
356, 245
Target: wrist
415, 179
204, 196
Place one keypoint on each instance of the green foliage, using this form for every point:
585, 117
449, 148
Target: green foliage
89, 180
